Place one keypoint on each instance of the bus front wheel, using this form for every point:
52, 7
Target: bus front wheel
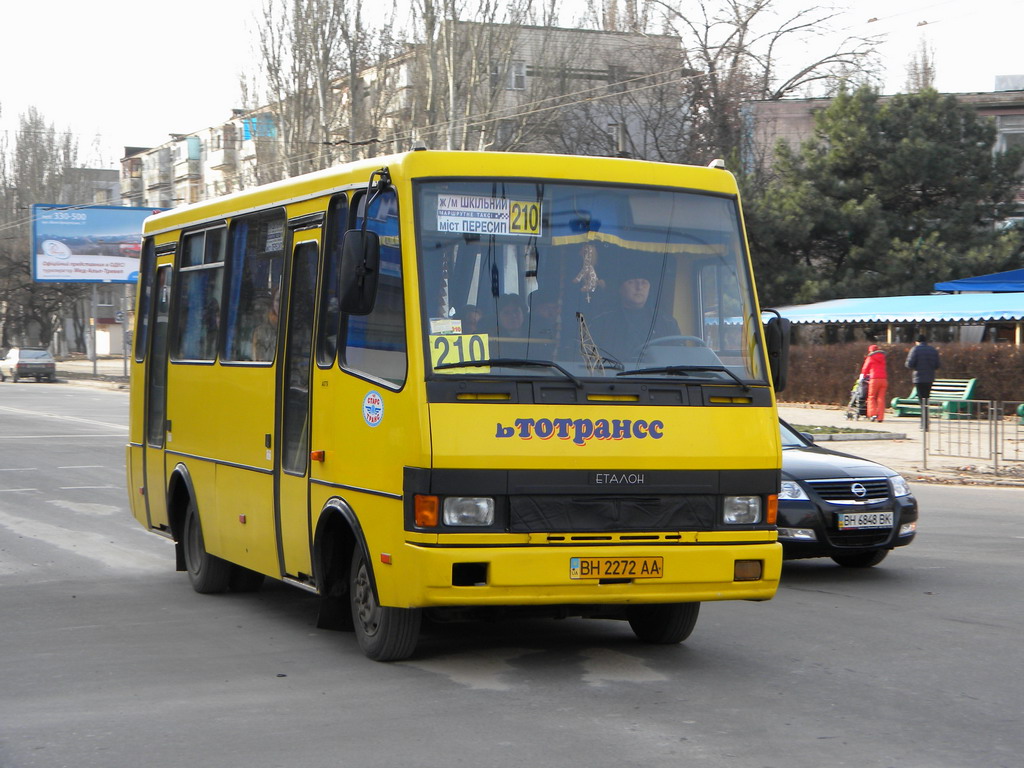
384, 634
207, 573
666, 624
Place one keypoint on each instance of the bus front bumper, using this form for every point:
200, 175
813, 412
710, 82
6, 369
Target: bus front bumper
421, 576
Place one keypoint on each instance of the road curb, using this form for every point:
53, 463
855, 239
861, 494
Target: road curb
838, 436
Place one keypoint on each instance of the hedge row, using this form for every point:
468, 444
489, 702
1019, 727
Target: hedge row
827, 373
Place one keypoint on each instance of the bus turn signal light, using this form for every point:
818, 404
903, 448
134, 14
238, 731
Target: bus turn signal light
773, 509
426, 511
317, 455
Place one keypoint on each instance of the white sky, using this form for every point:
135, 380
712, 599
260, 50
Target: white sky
129, 72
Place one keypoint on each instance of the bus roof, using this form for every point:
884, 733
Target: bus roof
443, 163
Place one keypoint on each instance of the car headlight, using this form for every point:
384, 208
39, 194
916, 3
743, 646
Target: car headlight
741, 510
469, 510
798, 534
899, 486
792, 491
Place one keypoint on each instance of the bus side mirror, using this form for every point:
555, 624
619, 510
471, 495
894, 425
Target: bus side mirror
360, 267
776, 333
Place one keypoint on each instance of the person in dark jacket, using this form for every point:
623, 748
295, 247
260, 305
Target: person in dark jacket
923, 360
625, 331
874, 371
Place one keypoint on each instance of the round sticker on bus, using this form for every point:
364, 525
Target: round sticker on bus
373, 408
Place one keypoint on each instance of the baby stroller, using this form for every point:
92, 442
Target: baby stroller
858, 405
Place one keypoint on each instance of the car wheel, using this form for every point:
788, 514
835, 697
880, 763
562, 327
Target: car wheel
861, 559
384, 634
14, 378
207, 573
663, 624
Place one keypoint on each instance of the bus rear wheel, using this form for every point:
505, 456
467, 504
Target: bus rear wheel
384, 634
207, 573
666, 624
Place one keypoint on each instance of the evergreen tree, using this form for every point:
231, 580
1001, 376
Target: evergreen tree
886, 199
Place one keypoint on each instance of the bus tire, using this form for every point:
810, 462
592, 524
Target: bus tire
243, 580
665, 624
384, 634
208, 574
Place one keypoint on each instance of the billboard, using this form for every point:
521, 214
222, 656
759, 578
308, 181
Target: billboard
87, 243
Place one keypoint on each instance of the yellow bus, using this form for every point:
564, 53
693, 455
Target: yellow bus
458, 384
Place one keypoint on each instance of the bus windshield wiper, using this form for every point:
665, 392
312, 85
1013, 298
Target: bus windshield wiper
684, 370
512, 362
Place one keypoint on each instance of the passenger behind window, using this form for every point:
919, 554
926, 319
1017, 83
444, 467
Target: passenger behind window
544, 322
211, 326
625, 330
264, 337
512, 326
471, 317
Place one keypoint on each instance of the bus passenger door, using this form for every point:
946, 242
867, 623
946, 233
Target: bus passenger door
293, 408
156, 402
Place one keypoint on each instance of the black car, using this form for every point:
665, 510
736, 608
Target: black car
835, 505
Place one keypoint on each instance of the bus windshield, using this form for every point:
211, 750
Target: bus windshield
581, 280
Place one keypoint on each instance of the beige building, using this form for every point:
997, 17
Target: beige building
497, 87
792, 120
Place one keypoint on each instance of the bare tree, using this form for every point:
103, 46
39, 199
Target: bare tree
463, 56
736, 46
921, 68
301, 46
36, 168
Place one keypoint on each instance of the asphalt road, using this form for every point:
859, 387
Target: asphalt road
108, 659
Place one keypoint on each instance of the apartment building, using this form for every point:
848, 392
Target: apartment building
497, 87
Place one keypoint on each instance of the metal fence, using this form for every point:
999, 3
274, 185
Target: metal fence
984, 430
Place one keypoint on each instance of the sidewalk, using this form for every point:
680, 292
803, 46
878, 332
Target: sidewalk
108, 371
896, 443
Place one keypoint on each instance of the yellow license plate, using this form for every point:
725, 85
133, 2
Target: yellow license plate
616, 567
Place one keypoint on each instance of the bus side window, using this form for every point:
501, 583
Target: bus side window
375, 343
146, 282
330, 315
199, 295
253, 293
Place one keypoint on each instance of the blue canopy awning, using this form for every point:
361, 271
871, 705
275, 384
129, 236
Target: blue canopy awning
1009, 281
953, 308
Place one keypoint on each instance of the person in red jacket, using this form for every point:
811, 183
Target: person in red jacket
878, 382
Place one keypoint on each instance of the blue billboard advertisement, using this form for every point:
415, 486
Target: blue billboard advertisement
87, 244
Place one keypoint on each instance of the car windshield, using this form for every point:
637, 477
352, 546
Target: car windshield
790, 439
34, 354
544, 279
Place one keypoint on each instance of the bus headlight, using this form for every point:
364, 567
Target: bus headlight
469, 510
741, 510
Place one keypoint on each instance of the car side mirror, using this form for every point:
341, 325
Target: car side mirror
807, 436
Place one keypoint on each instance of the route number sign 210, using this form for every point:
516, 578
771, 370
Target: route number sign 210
447, 349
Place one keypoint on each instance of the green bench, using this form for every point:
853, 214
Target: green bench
947, 397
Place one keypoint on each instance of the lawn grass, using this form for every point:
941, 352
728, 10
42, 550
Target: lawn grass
819, 430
